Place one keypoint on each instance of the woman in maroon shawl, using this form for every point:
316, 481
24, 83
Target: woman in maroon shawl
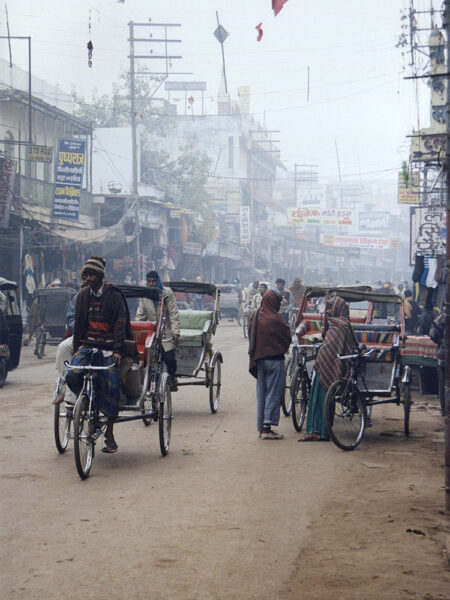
269, 340
339, 339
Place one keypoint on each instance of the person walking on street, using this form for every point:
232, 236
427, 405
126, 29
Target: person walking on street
257, 298
269, 340
286, 299
339, 339
412, 313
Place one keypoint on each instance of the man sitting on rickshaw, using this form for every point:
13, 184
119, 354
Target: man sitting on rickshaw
102, 321
149, 311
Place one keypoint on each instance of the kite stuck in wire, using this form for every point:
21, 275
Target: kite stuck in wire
260, 32
221, 35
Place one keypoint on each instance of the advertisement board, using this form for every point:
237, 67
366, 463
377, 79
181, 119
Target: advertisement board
373, 221
320, 216
409, 194
360, 241
40, 154
427, 230
69, 170
244, 220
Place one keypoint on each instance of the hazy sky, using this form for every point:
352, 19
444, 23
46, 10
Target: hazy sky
358, 99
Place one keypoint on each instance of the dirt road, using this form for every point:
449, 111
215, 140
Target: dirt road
224, 515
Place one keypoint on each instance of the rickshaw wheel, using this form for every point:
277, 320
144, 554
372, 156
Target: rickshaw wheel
83, 440
3, 372
165, 413
406, 401
215, 378
345, 414
61, 421
299, 397
286, 401
40, 344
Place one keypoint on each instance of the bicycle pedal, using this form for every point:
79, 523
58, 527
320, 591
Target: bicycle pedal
97, 434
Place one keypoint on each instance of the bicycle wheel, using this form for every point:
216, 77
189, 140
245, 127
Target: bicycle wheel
286, 401
405, 397
40, 343
165, 413
215, 378
300, 389
62, 420
345, 414
83, 438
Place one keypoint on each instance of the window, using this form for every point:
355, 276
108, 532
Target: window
230, 152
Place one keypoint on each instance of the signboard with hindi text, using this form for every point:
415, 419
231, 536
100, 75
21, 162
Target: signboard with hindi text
69, 170
40, 154
320, 216
409, 192
360, 241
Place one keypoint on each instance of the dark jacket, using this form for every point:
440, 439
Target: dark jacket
116, 314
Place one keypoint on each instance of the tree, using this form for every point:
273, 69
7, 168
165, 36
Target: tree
182, 179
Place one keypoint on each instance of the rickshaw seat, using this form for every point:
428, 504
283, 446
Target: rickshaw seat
140, 330
193, 323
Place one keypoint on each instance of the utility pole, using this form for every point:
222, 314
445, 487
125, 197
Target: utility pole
133, 57
447, 283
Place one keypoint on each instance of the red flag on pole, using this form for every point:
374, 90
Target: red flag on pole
277, 5
260, 32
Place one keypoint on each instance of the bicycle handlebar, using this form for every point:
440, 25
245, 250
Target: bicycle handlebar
87, 367
309, 345
358, 354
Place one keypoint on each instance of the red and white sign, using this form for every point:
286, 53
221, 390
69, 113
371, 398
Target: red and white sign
359, 241
320, 216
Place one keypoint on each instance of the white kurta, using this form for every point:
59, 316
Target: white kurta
149, 311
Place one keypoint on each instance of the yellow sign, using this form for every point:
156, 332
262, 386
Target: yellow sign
40, 153
409, 194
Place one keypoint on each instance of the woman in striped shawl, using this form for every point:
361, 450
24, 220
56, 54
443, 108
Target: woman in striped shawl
339, 339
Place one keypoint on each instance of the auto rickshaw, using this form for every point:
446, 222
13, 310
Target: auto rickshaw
11, 328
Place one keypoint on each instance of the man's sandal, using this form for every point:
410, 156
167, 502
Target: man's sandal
110, 447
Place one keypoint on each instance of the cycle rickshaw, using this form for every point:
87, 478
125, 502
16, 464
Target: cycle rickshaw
375, 372
10, 328
197, 362
145, 390
53, 305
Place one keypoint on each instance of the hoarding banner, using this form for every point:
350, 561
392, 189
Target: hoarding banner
40, 154
245, 225
359, 241
375, 221
320, 216
428, 230
7, 177
185, 86
409, 194
68, 179
192, 248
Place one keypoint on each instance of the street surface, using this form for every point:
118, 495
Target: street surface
224, 515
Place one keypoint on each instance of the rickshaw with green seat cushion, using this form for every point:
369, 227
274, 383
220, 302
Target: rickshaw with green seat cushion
197, 362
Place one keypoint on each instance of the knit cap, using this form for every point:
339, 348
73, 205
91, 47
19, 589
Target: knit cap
96, 264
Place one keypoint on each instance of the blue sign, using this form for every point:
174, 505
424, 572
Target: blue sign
68, 179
